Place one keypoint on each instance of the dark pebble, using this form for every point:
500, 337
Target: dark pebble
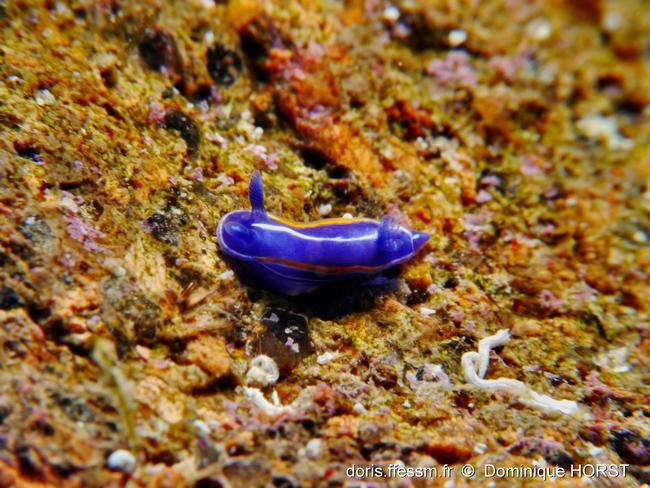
35, 228
187, 128
158, 49
163, 228
224, 65
284, 331
631, 447
29, 151
9, 299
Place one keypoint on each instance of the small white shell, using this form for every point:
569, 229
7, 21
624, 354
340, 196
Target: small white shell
121, 460
263, 371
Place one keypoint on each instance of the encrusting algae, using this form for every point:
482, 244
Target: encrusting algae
515, 134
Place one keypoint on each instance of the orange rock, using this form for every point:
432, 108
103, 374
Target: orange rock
209, 353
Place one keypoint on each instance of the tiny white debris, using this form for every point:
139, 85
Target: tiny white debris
68, 203
326, 357
434, 372
291, 344
257, 149
614, 360
427, 311
612, 21
421, 144
347, 215
216, 138
201, 426
475, 366
247, 114
63, 10
314, 448
143, 352
539, 29
483, 196
359, 409
592, 450
456, 37
388, 153
480, 448
121, 460
208, 37
226, 275
406, 404
113, 266
451, 180
325, 209
432, 288
245, 127
391, 13
603, 129
263, 371
256, 397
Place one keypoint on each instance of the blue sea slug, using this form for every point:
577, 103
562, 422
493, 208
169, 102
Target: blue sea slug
295, 258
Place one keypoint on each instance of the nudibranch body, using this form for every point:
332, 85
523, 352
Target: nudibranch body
295, 258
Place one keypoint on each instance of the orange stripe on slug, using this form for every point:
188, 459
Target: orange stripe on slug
320, 223
321, 268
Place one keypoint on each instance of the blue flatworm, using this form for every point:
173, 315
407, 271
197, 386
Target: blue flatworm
295, 258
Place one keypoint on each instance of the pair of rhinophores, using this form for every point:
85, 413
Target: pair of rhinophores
295, 258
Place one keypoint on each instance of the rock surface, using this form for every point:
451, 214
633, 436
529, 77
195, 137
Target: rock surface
517, 134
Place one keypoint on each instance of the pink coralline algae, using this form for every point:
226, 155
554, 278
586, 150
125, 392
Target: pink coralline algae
483, 196
596, 387
396, 213
156, 113
531, 165
475, 228
196, 174
549, 300
546, 447
456, 316
587, 294
434, 372
429, 373
454, 69
226, 180
491, 180
86, 233
507, 67
315, 52
270, 160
